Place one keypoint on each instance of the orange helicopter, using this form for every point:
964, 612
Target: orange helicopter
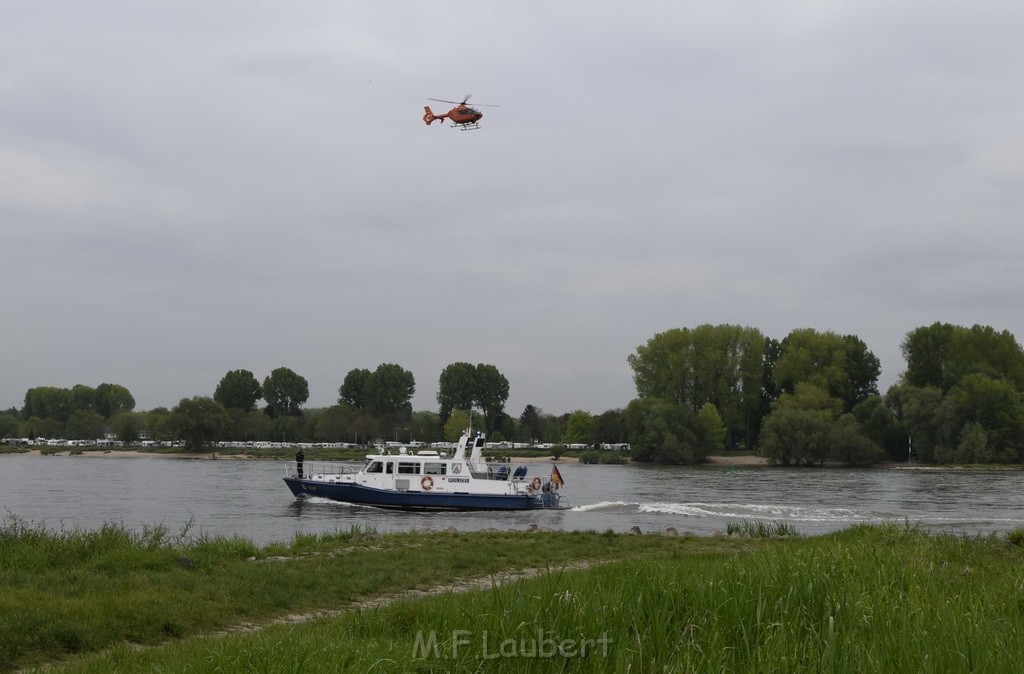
463, 116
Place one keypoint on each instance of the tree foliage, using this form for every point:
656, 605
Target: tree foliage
389, 390
465, 386
457, 389
285, 392
579, 429
353, 389
113, 398
238, 390
841, 365
796, 436
198, 421
85, 425
457, 422
531, 423
492, 391
58, 404
663, 431
718, 364
47, 402
940, 355
848, 444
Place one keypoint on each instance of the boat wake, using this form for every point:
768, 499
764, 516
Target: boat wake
755, 511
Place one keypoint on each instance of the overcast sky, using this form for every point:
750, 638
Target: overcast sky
188, 188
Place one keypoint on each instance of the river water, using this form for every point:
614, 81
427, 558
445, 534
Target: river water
249, 498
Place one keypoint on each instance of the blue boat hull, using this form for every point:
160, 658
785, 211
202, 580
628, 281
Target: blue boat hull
415, 500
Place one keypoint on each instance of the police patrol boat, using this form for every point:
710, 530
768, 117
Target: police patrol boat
430, 480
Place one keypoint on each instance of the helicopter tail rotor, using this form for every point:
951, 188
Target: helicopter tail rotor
428, 116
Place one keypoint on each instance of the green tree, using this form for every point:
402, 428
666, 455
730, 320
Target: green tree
579, 429
353, 389
846, 443
994, 405
255, 425
610, 428
34, 427
285, 392
457, 389
126, 427
862, 371
718, 364
838, 364
791, 435
458, 421
879, 423
492, 391
198, 421
86, 425
807, 396
714, 429
389, 390
113, 398
336, 424
156, 423
425, 426
940, 355
83, 398
973, 447
8, 425
286, 428
553, 427
928, 417
662, 431
530, 423
238, 390
47, 402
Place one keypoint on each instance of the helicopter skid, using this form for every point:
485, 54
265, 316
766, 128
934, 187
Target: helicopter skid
467, 126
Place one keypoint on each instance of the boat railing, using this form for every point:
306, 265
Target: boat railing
318, 468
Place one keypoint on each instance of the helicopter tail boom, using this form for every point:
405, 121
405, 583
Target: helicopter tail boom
429, 115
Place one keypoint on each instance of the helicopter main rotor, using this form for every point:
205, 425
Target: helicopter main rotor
462, 102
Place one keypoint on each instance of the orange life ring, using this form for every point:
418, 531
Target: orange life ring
535, 485
427, 483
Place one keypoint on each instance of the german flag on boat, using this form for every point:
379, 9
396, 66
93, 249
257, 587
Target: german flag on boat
556, 477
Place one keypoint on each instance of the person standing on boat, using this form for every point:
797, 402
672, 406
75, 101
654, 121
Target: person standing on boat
300, 457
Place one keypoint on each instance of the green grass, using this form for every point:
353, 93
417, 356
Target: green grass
869, 599
78, 591
760, 529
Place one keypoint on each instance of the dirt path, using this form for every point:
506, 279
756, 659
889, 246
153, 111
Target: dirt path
461, 586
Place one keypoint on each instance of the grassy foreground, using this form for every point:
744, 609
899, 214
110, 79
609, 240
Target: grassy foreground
869, 599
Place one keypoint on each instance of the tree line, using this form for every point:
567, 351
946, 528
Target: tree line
809, 398
813, 396
372, 406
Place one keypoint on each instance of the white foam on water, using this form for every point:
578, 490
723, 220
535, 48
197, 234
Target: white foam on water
603, 505
759, 511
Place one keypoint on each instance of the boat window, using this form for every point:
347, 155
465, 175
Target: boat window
390, 467
434, 468
409, 468
375, 467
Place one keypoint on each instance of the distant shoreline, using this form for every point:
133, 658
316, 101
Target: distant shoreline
740, 461
217, 456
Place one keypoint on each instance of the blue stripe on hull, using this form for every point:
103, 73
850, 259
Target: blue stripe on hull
414, 500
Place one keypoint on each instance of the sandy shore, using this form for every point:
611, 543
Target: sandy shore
131, 453
745, 460
206, 456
